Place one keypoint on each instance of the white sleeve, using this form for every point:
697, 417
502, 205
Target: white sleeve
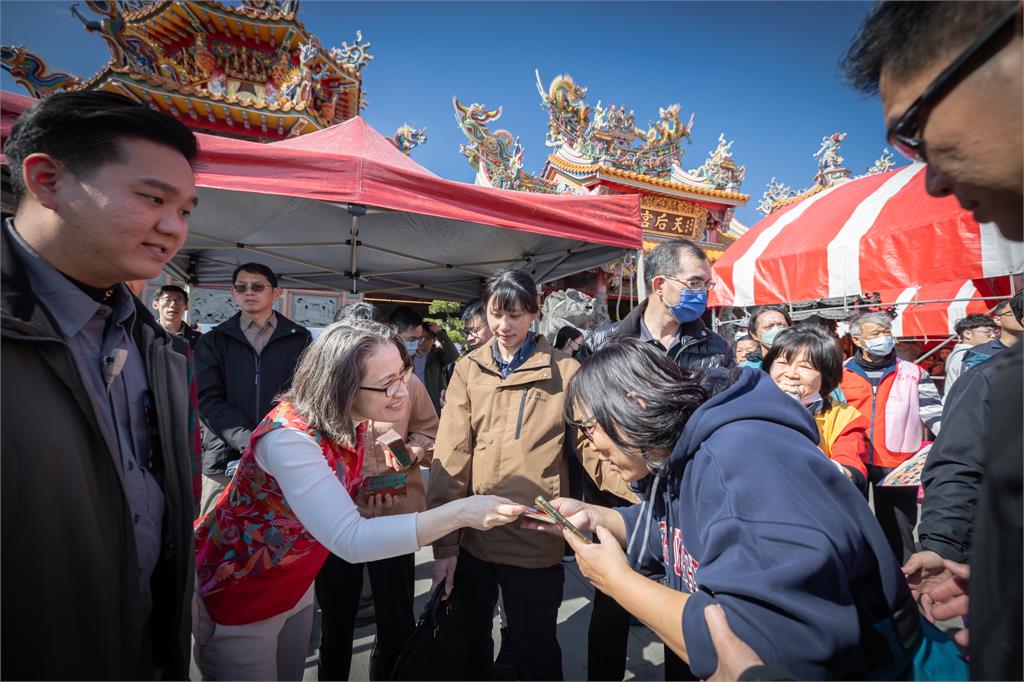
324, 507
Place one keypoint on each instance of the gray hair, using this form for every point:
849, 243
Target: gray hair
329, 374
358, 310
881, 319
664, 259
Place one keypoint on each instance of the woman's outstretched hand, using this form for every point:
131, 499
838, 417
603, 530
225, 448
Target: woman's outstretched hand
487, 511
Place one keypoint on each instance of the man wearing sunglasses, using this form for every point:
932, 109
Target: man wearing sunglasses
949, 76
241, 365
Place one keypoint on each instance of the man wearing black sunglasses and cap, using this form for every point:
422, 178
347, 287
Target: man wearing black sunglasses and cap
949, 76
242, 364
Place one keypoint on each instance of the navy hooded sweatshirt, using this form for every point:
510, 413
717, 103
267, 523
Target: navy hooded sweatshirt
751, 515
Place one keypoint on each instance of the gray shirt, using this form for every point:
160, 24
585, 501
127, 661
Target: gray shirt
114, 375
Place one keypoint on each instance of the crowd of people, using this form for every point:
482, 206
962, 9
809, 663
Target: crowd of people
170, 497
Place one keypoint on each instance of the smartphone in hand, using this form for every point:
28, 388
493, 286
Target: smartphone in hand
394, 442
558, 519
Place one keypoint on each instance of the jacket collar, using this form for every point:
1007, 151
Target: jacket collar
630, 327
233, 327
536, 368
16, 297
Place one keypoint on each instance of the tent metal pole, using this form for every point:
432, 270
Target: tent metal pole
568, 253
641, 277
355, 210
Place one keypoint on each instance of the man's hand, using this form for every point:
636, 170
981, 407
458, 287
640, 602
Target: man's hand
923, 571
734, 656
603, 563
444, 570
950, 597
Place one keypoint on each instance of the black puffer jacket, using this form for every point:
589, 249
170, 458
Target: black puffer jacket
237, 387
698, 347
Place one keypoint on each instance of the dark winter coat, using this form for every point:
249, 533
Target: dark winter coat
697, 348
237, 387
70, 587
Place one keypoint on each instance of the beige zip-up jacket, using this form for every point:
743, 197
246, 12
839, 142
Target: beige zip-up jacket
507, 437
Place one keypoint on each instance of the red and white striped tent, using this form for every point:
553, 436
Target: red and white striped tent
931, 311
878, 233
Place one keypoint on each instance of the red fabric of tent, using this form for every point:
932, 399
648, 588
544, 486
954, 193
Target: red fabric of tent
874, 233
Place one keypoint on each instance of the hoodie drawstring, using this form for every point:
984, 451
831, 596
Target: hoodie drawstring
643, 522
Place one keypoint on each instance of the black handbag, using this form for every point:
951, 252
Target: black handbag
437, 648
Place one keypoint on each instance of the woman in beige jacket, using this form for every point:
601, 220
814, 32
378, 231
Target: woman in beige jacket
340, 583
502, 432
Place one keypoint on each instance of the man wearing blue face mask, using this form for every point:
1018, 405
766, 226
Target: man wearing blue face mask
901, 400
678, 277
430, 349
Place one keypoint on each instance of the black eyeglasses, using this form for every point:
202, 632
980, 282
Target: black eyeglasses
903, 134
693, 283
586, 427
391, 389
242, 288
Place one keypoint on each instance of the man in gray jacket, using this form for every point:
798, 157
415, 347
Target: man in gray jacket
98, 411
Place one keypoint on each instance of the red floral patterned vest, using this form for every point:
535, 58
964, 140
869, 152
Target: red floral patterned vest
254, 559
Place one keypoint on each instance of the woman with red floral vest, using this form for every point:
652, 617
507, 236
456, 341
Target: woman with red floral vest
290, 503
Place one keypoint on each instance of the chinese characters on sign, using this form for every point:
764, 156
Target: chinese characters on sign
672, 217
667, 222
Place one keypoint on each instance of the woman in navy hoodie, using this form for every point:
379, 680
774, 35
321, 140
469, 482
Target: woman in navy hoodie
741, 509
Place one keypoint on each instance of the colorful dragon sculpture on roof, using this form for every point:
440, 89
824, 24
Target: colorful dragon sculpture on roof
30, 71
497, 156
719, 170
407, 138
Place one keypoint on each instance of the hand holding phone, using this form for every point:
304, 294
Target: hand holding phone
394, 443
558, 519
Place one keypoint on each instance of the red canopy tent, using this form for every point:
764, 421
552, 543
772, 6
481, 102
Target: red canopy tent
342, 208
878, 233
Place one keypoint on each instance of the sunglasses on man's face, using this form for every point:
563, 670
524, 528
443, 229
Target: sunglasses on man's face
905, 133
255, 288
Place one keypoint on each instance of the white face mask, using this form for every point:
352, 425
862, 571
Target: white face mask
880, 345
808, 400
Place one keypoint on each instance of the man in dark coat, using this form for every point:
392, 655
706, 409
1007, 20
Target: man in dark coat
243, 364
99, 430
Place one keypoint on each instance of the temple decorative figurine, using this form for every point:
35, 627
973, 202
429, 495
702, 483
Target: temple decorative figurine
249, 71
603, 151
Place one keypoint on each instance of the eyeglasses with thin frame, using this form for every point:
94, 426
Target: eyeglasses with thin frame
586, 427
391, 388
693, 283
904, 133
475, 331
254, 287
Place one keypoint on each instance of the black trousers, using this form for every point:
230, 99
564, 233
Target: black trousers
531, 597
338, 587
888, 500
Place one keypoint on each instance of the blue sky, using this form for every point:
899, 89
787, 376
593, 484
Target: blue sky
764, 73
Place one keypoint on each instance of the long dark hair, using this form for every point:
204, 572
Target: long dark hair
822, 349
614, 382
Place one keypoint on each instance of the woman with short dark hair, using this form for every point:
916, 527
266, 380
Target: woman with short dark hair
502, 433
741, 510
291, 502
806, 363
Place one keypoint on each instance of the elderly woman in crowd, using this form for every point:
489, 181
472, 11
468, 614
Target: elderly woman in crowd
806, 363
739, 509
290, 503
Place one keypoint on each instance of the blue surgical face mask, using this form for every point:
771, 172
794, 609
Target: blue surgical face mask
692, 304
768, 336
412, 346
880, 345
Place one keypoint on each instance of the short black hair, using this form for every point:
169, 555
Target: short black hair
83, 130
565, 335
613, 382
255, 269
358, 310
822, 349
473, 310
171, 289
973, 321
512, 290
664, 259
1017, 305
907, 37
756, 314
403, 317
